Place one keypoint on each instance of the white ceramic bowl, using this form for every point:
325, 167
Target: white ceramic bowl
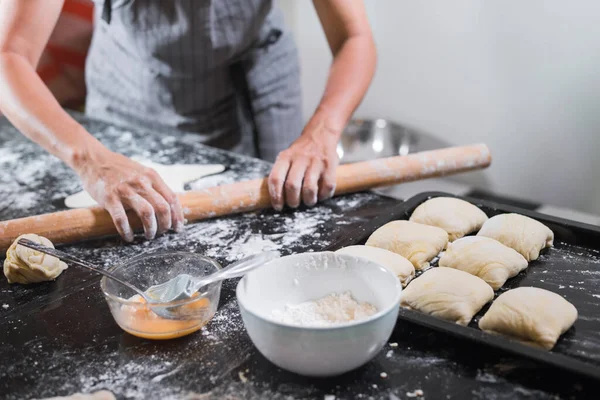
318, 351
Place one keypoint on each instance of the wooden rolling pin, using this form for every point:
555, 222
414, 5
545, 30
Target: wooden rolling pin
86, 223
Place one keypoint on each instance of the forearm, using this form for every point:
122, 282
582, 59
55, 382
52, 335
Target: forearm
349, 78
32, 109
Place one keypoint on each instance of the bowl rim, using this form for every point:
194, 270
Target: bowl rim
139, 257
378, 315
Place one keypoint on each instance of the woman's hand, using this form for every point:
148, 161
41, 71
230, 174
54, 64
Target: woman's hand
113, 180
119, 184
305, 172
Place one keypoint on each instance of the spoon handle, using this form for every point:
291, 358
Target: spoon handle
75, 261
237, 269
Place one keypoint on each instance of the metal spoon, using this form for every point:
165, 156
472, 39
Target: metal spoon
184, 286
181, 287
84, 264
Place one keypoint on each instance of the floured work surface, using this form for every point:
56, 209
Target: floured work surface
571, 268
59, 338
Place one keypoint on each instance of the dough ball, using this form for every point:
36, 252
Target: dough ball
455, 216
484, 257
24, 265
448, 294
101, 395
395, 263
530, 315
417, 242
524, 234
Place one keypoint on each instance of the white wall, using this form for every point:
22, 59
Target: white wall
521, 76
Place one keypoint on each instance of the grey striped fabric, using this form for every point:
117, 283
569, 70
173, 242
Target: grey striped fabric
224, 69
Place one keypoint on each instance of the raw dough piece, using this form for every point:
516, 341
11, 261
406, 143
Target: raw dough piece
175, 176
417, 242
455, 216
101, 395
395, 263
484, 257
524, 234
24, 265
448, 294
530, 315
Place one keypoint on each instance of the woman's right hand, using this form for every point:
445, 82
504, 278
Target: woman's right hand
119, 184
114, 181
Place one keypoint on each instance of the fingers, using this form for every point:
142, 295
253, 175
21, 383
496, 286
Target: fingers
293, 182
310, 185
304, 172
276, 181
144, 211
175, 210
162, 209
119, 217
327, 182
177, 215
149, 205
303, 179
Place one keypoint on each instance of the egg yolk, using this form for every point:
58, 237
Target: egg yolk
144, 323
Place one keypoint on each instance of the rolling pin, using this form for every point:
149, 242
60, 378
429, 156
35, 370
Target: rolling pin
86, 223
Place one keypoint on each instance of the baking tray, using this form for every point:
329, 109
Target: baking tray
571, 268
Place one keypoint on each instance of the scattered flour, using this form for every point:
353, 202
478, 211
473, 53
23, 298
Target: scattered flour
483, 376
242, 377
333, 309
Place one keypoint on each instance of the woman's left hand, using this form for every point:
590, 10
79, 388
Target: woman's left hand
305, 172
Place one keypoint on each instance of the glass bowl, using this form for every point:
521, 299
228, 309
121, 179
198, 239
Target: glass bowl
135, 317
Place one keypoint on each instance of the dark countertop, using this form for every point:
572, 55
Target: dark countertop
58, 338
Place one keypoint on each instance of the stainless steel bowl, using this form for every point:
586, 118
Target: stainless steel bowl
377, 138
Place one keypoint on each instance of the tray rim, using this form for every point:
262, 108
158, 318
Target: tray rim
551, 358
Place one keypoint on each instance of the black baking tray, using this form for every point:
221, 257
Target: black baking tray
571, 268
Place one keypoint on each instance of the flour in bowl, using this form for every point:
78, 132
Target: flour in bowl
334, 309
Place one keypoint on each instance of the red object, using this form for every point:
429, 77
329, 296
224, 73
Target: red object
62, 65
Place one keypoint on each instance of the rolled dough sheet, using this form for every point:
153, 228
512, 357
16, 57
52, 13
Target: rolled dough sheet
175, 176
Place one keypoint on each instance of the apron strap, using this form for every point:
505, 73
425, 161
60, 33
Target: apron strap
107, 11
240, 83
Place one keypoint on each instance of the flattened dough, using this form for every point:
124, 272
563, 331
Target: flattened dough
524, 234
175, 177
530, 315
455, 216
395, 263
416, 242
486, 258
101, 395
24, 265
448, 294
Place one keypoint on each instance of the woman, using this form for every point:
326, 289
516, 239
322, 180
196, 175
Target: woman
226, 70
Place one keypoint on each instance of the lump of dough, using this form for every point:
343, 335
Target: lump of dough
530, 315
484, 257
455, 216
416, 242
393, 262
524, 234
448, 294
24, 265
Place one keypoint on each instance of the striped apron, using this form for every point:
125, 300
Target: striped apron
226, 70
